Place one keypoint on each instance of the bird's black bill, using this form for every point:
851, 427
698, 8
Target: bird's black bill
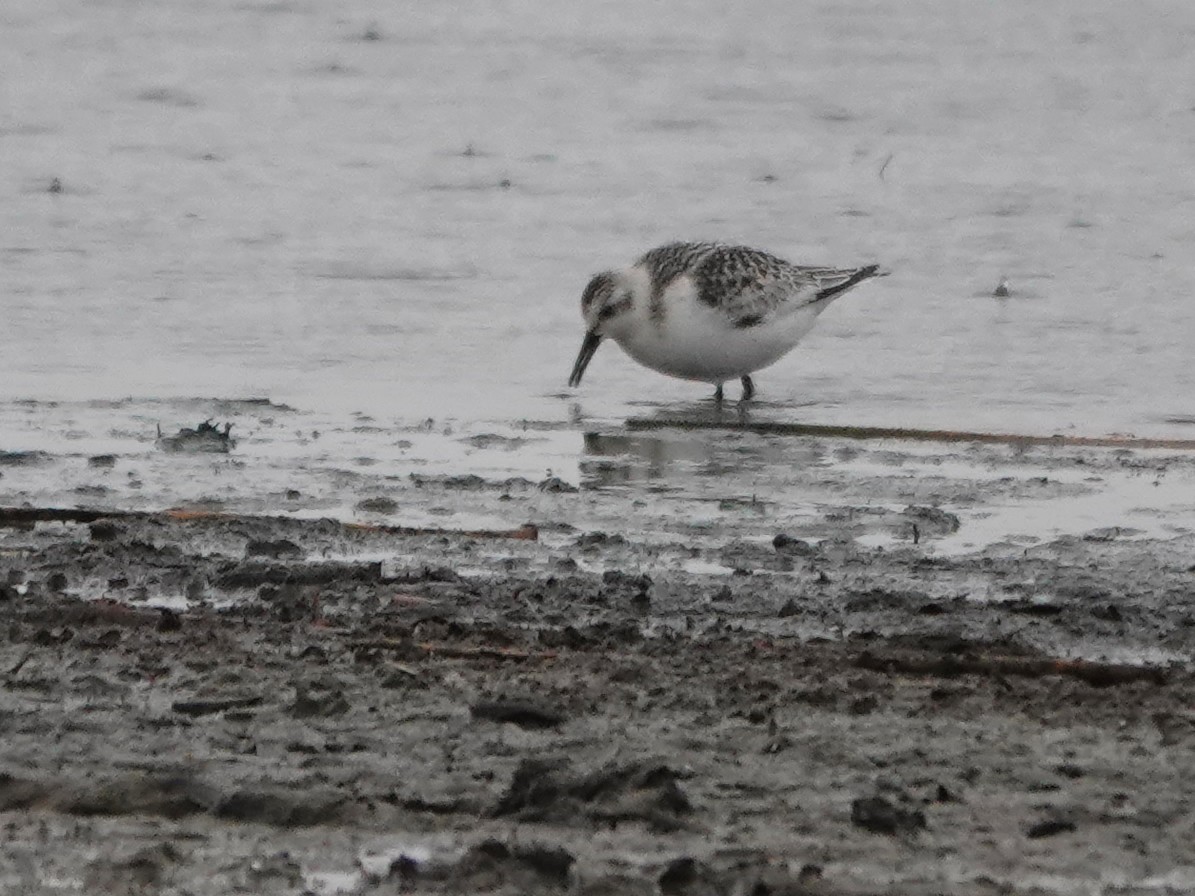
588, 347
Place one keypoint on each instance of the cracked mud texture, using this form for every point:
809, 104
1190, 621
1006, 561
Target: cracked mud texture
243, 704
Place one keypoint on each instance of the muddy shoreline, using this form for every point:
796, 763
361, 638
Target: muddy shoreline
218, 702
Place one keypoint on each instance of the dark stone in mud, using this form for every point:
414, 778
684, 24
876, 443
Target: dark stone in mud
798, 547
104, 530
790, 608
278, 549
467, 482
206, 438
290, 603
1032, 608
556, 485
404, 870
543, 790
378, 505
598, 539
944, 794
102, 461
319, 700
604, 635
688, 877
524, 713
299, 807
44, 637
1049, 827
143, 871
614, 578
103, 641
170, 621
492, 864
880, 816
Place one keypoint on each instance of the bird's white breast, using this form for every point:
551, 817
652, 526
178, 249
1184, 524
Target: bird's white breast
690, 339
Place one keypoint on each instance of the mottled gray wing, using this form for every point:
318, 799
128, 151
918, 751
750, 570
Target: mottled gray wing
750, 286
745, 284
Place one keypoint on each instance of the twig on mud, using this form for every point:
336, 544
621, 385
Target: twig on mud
1094, 673
451, 652
887, 162
207, 707
25, 516
526, 532
20, 664
768, 427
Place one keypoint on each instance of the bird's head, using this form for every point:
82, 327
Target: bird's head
606, 306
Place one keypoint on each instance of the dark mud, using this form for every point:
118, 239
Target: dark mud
239, 704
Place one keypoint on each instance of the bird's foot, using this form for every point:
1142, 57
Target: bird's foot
748, 389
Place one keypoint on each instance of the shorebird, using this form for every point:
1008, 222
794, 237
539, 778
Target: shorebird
709, 312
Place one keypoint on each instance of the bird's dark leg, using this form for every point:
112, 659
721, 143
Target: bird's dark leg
748, 388
718, 394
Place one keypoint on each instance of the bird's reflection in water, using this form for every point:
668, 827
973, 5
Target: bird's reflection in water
617, 459
663, 460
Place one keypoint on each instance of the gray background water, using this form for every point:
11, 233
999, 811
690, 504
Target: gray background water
392, 208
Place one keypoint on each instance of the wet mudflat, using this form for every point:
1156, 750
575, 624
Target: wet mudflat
729, 661
626, 696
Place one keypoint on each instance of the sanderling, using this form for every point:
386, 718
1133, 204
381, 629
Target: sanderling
709, 312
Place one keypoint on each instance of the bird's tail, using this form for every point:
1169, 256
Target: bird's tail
836, 282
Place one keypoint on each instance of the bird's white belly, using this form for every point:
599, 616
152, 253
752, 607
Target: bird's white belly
700, 343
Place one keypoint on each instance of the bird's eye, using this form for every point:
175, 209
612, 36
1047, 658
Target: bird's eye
613, 309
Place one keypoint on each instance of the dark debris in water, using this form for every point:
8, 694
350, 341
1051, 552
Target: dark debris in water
206, 438
881, 816
23, 458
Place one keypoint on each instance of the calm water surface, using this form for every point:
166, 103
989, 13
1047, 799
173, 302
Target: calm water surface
391, 209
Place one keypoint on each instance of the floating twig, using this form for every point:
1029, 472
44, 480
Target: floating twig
912, 435
884, 167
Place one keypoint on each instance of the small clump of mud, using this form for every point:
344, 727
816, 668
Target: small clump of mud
206, 438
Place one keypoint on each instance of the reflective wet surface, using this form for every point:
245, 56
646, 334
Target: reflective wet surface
393, 212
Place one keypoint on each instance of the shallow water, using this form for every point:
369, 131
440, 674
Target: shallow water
391, 211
